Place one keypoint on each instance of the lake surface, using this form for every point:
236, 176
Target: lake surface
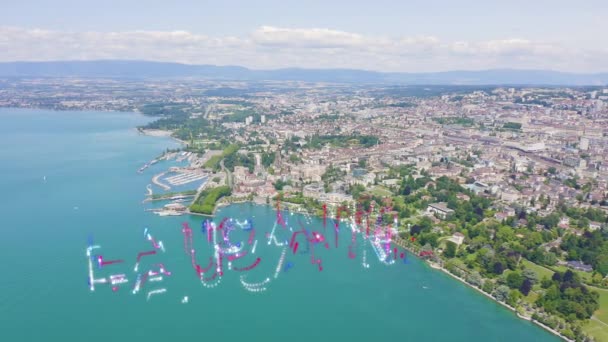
90, 161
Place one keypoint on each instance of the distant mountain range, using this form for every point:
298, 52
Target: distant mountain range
146, 69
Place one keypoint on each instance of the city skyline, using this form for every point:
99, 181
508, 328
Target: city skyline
383, 36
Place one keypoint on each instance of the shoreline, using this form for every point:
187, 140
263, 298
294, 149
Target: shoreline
487, 295
165, 133
160, 133
529, 319
440, 268
188, 212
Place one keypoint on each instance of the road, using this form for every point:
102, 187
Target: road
228, 174
598, 320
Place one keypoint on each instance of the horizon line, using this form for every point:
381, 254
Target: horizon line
299, 68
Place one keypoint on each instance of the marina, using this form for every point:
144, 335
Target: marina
185, 176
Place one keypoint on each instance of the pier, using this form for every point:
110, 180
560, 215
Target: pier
91, 274
176, 197
154, 292
156, 181
183, 156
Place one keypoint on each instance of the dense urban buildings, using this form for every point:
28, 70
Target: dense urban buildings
490, 182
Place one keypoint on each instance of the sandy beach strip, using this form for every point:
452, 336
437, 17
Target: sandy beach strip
156, 132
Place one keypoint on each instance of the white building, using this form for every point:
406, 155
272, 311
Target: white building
336, 198
314, 190
584, 144
440, 209
457, 238
593, 225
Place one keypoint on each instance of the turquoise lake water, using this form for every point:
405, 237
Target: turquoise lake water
92, 188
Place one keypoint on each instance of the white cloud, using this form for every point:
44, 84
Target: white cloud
274, 47
307, 38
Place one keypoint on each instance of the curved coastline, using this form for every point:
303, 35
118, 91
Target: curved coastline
160, 133
435, 267
220, 204
554, 332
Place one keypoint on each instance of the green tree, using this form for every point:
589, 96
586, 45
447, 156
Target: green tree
550, 259
513, 298
294, 158
567, 297
514, 280
474, 278
530, 275
205, 203
268, 158
501, 293
488, 286
601, 264
512, 125
279, 184
526, 286
498, 267
356, 190
505, 233
450, 249
550, 220
597, 278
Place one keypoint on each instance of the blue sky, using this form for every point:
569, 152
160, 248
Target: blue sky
377, 35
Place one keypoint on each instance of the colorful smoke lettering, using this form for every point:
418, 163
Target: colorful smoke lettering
220, 252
